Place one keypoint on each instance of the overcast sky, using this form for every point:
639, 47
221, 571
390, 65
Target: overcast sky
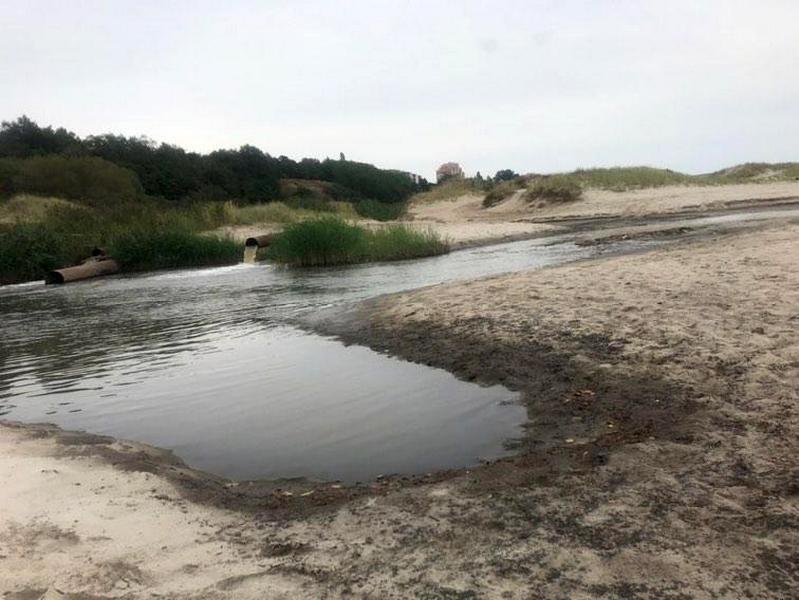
529, 85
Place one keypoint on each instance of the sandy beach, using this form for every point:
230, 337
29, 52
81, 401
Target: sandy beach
659, 460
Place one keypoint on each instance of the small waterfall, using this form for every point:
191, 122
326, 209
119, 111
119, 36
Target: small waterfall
249, 254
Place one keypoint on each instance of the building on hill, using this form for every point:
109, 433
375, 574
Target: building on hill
447, 171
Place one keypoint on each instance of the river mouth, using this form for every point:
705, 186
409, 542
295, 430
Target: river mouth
206, 362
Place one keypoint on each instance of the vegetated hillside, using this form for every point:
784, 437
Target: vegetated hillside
58, 201
451, 189
627, 178
756, 172
38, 236
151, 205
110, 167
501, 187
39, 233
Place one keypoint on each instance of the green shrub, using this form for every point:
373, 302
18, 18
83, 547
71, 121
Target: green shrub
331, 241
554, 188
499, 192
791, 172
400, 242
319, 242
28, 251
64, 237
147, 249
8, 169
380, 211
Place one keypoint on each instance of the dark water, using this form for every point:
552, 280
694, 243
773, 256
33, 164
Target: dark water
202, 361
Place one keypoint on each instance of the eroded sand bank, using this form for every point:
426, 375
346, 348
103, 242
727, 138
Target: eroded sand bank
660, 459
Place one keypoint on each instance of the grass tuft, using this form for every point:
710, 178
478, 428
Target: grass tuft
28, 251
142, 250
554, 188
332, 241
320, 242
500, 192
401, 242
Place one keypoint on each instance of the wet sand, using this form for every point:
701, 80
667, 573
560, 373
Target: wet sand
660, 459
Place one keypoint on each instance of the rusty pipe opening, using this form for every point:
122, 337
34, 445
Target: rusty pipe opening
54, 277
259, 241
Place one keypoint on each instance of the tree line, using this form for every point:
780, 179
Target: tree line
54, 161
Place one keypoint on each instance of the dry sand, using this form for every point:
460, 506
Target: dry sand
78, 524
